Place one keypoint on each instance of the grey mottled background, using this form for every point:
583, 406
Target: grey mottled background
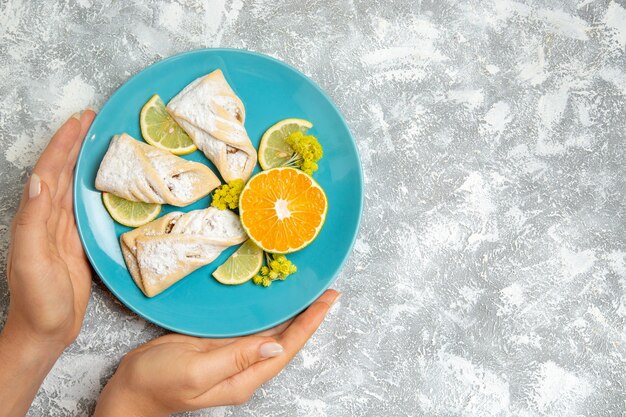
489, 278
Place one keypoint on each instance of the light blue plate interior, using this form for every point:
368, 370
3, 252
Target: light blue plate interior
199, 305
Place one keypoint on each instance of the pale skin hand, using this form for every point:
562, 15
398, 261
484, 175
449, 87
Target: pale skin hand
178, 373
48, 274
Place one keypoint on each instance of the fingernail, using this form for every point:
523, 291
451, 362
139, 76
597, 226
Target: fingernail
91, 108
76, 116
34, 186
271, 350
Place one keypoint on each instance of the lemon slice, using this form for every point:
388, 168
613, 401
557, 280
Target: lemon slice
159, 129
273, 150
241, 266
130, 213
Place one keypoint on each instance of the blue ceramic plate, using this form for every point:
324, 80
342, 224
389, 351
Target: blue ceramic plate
199, 305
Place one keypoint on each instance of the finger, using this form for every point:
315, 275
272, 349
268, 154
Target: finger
81, 281
52, 161
23, 201
24, 196
67, 200
214, 343
202, 344
241, 386
207, 344
71, 251
276, 330
222, 363
86, 119
31, 233
295, 336
45, 161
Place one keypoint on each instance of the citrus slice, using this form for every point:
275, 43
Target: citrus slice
130, 213
282, 209
159, 129
273, 150
241, 266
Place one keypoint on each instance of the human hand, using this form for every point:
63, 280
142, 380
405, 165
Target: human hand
48, 274
176, 373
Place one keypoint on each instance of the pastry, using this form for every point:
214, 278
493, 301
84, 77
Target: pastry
139, 172
164, 251
213, 116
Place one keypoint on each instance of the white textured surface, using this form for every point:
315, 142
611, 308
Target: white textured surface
489, 278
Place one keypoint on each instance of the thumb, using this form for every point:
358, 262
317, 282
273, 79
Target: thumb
31, 222
226, 361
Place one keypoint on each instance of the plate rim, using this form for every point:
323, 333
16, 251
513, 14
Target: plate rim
175, 328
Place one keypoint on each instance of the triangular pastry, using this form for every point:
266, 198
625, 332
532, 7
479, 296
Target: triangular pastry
164, 251
139, 172
213, 116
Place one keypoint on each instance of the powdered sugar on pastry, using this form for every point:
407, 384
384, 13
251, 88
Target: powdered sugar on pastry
211, 223
231, 106
213, 116
166, 250
139, 172
162, 257
118, 171
180, 182
216, 150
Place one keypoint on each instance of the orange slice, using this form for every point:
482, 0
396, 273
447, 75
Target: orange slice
282, 209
